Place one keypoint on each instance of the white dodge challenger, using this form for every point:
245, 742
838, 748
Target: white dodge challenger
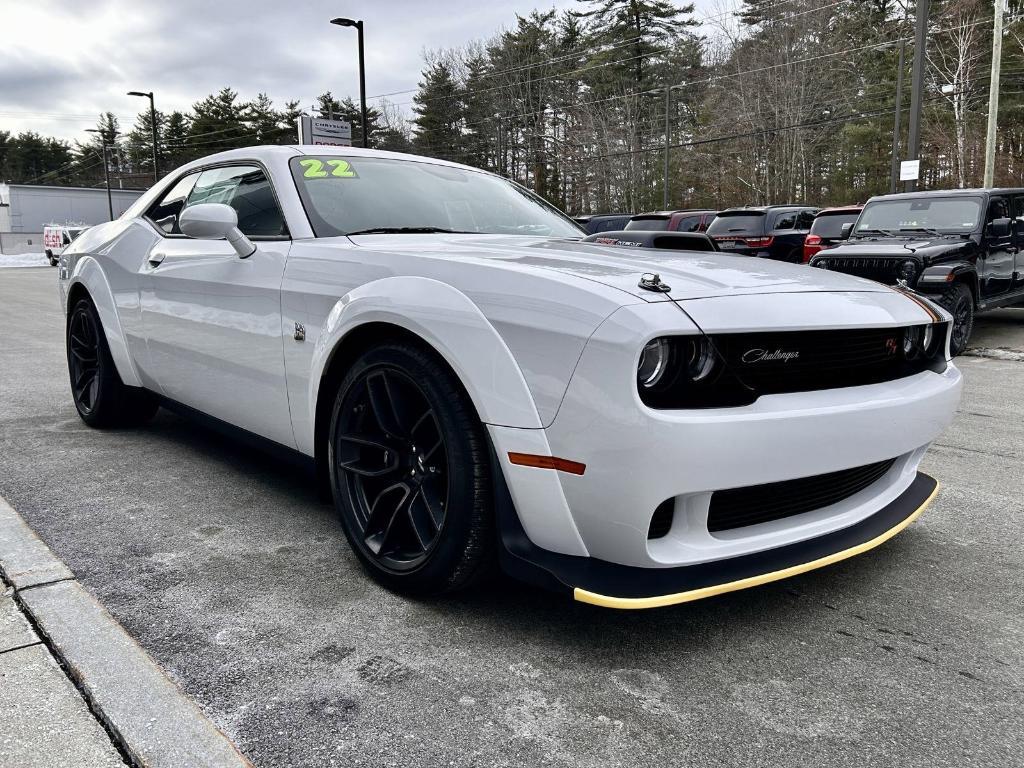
476, 386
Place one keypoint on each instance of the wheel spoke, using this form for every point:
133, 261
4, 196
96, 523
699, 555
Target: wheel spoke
379, 529
367, 456
384, 405
433, 501
432, 437
420, 520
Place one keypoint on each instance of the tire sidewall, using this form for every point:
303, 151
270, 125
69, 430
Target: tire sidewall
99, 415
957, 296
465, 453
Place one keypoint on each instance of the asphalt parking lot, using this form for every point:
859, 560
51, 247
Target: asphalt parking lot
222, 563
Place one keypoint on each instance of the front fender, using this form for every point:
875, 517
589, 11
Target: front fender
87, 272
937, 278
447, 320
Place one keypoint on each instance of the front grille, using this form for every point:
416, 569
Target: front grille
739, 507
881, 270
802, 361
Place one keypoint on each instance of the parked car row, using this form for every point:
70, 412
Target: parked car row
961, 246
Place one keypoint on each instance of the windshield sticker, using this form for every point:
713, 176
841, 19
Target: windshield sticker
339, 169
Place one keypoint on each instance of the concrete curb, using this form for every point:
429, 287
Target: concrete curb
147, 716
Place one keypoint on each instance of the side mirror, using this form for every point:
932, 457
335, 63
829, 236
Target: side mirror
216, 221
846, 230
1000, 228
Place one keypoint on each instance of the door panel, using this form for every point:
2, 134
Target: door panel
213, 330
1018, 241
999, 254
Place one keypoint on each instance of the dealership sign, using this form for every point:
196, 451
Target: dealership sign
331, 133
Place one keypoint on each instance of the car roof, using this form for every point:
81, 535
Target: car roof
952, 193
673, 212
766, 208
286, 151
857, 208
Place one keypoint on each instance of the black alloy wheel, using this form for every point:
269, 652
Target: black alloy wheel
409, 472
960, 304
101, 398
84, 358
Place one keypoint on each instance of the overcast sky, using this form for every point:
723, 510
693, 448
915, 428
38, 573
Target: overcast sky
62, 62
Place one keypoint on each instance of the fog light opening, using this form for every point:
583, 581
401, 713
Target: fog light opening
661, 520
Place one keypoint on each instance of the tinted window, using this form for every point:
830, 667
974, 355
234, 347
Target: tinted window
830, 225
737, 223
649, 223
785, 221
246, 189
348, 195
804, 219
688, 224
607, 225
165, 213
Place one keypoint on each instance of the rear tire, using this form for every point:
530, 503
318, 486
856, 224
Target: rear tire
101, 398
51, 258
959, 302
410, 472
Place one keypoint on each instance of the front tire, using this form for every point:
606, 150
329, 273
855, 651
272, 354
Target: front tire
51, 258
410, 473
101, 398
959, 302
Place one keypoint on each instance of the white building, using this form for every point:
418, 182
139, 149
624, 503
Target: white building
25, 209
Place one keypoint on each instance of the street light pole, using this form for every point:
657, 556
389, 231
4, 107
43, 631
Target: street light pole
898, 120
341, 22
917, 90
993, 96
152, 125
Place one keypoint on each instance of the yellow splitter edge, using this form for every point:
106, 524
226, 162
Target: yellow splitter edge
659, 601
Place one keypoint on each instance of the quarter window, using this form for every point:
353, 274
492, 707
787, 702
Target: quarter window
247, 189
804, 219
786, 221
689, 224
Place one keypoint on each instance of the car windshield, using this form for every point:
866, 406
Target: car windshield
830, 225
944, 214
649, 223
348, 195
737, 223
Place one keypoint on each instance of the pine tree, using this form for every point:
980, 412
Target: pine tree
218, 123
438, 113
262, 119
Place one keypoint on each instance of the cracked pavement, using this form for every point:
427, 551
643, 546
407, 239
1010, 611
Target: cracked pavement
225, 567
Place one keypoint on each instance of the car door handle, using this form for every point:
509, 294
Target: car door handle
156, 258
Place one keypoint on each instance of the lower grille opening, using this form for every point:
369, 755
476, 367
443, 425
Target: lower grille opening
739, 507
661, 522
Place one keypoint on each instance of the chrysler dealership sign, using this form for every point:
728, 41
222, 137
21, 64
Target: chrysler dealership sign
331, 133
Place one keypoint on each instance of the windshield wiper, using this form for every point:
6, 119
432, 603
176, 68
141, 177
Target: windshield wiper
866, 230
929, 230
407, 231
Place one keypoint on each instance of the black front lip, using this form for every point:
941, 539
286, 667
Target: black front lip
619, 586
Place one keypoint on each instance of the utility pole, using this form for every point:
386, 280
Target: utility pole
917, 91
993, 95
668, 130
898, 120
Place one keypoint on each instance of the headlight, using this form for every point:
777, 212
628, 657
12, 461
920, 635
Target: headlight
924, 341
700, 358
653, 362
908, 269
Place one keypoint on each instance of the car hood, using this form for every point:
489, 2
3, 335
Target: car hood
898, 248
690, 274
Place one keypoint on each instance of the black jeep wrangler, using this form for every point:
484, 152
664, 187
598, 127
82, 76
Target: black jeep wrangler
962, 246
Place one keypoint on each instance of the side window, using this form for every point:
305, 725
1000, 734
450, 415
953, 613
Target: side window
996, 210
1018, 215
804, 219
688, 224
165, 212
785, 221
247, 189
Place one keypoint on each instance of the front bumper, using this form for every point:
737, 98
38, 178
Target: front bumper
611, 585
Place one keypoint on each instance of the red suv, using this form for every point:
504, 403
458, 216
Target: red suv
827, 228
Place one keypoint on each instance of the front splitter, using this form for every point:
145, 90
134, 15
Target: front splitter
611, 585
